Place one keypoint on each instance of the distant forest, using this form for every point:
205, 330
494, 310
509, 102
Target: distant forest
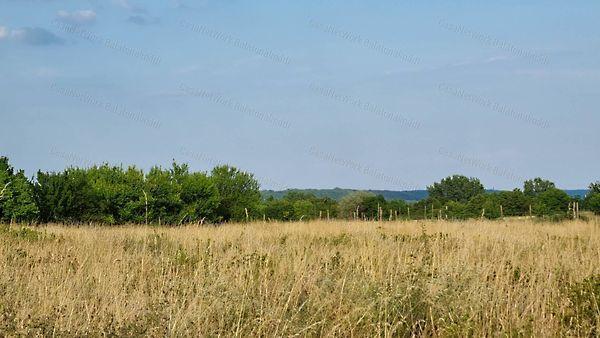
112, 195
390, 195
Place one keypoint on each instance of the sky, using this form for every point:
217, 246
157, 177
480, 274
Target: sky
306, 94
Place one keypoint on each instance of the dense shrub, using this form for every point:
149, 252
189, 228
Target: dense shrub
592, 202
456, 188
16, 195
239, 193
552, 202
299, 206
113, 195
110, 195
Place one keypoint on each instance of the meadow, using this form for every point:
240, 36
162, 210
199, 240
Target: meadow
338, 278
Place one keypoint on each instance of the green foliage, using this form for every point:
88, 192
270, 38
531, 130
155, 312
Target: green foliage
595, 188
398, 207
279, 209
164, 200
299, 205
200, 197
65, 197
477, 204
304, 209
352, 203
537, 186
514, 203
6, 172
551, 202
338, 193
456, 210
114, 195
239, 191
371, 205
456, 188
117, 194
592, 203
17, 202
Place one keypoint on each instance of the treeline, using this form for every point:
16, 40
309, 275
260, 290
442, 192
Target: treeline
115, 195
460, 197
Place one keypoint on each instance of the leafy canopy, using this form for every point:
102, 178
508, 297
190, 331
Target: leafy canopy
537, 186
457, 188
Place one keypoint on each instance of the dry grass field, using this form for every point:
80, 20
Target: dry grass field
503, 278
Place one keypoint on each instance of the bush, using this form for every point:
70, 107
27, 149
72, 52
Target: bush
353, 202
592, 203
552, 202
456, 188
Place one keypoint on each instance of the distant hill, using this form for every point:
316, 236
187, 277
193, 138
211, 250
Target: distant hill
577, 192
338, 193
411, 195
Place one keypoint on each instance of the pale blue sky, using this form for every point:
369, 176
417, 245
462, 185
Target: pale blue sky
356, 94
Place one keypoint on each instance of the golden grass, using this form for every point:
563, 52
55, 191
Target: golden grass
307, 279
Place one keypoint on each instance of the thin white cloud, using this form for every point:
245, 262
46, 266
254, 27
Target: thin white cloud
77, 17
479, 61
3, 32
46, 72
142, 20
35, 36
497, 58
570, 74
129, 6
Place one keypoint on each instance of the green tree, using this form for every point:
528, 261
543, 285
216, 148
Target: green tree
18, 201
163, 194
592, 200
551, 202
456, 188
117, 193
352, 203
294, 195
398, 206
307, 206
275, 209
514, 203
131, 196
200, 198
488, 202
304, 209
66, 197
595, 188
6, 173
537, 186
324, 205
371, 205
456, 210
238, 191
592, 203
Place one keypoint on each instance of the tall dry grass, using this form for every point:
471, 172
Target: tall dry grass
308, 279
